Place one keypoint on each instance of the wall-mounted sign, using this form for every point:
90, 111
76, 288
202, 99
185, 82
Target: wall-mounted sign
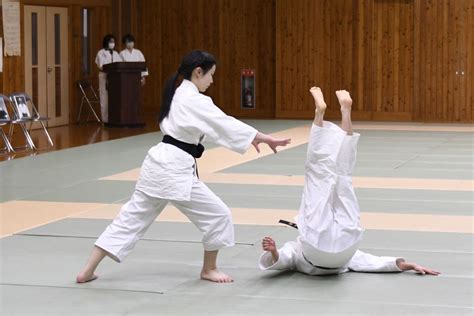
11, 27
247, 94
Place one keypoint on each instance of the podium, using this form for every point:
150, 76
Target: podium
125, 93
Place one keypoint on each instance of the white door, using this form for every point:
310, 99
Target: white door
46, 61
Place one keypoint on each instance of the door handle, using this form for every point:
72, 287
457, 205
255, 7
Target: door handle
50, 69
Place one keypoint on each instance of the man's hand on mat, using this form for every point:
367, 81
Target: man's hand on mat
268, 244
272, 142
405, 266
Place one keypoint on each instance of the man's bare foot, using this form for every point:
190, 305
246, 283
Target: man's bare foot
344, 100
318, 99
216, 276
84, 277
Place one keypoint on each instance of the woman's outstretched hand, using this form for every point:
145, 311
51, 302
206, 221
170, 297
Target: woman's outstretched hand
272, 142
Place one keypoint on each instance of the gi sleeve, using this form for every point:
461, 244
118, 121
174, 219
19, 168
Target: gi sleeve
286, 259
223, 129
365, 262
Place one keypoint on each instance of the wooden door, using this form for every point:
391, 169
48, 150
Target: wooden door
47, 61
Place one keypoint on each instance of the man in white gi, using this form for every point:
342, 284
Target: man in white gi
105, 56
169, 173
328, 220
132, 54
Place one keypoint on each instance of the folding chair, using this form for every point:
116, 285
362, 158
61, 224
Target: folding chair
16, 120
5, 120
23, 114
84, 85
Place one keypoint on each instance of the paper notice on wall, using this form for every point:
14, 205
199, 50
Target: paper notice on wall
11, 27
1, 54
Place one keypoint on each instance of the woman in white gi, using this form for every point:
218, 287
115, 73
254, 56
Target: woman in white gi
132, 54
328, 220
105, 56
169, 172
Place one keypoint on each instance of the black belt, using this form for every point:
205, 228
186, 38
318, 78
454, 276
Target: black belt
194, 150
282, 221
319, 267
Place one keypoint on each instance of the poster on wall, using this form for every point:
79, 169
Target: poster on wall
11, 27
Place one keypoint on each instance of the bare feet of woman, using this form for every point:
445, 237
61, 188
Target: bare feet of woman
216, 276
320, 105
84, 277
344, 100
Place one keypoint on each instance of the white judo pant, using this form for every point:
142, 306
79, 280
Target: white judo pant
207, 211
104, 97
329, 216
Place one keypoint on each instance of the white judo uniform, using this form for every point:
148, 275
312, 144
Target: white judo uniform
168, 175
329, 216
102, 58
134, 55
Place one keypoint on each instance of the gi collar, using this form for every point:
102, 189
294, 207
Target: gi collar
189, 85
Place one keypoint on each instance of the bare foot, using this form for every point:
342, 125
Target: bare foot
216, 276
344, 100
318, 99
84, 277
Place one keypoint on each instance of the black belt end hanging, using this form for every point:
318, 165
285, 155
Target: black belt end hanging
282, 221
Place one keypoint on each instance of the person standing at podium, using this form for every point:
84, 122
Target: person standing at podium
106, 55
132, 54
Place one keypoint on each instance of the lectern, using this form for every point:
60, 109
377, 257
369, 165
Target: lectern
124, 90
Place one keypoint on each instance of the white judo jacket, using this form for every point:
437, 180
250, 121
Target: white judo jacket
291, 258
168, 171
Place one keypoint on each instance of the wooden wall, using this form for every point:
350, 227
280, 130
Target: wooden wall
402, 60
445, 60
239, 33
398, 58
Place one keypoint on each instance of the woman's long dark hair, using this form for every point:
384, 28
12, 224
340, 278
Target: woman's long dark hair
194, 59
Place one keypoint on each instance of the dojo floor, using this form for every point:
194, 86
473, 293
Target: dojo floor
415, 188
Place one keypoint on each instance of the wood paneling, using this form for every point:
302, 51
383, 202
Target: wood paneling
363, 46
239, 33
398, 58
445, 61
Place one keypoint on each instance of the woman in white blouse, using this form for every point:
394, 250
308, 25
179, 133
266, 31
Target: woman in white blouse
130, 53
105, 56
169, 172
